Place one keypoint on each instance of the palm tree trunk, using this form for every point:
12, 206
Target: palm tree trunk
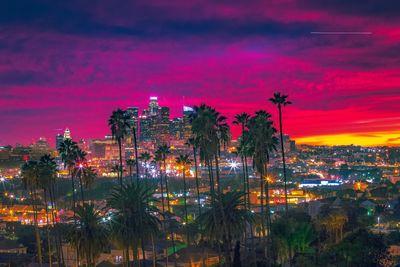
143, 253
262, 203
154, 251
60, 253
244, 181
166, 186
81, 186
283, 159
130, 172
197, 179
185, 205
268, 251
247, 182
136, 154
217, 174
48, 230
120, 161
35, 223
162, 192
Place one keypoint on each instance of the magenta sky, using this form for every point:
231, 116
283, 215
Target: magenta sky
70, 63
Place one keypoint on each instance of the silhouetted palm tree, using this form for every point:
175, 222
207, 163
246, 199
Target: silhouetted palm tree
242, 119
183, 162
30, 177
134, 220
226, 211
163, 151
119, 125
281, 100
193, 142
131, 163
145, 157
70, 155
86, 175
89, 236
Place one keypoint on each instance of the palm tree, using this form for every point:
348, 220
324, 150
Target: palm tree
46, 179
163, 151
145, 157
233, 216
158, 160
86, 175
204, 121
334, 223
281, 100
89, 236
223, 137
193, 142
70, 155
119, 125
183, 162
134, 220
131, 163
30, 176
135, 144
242, 119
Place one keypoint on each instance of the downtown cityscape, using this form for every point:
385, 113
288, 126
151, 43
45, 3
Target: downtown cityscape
194, 134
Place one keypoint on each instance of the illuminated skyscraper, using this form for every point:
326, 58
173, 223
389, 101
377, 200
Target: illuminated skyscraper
162, 126
153, 106
187, 126
59, 140
67, 134
133, 113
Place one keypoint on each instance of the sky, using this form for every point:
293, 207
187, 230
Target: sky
70, 63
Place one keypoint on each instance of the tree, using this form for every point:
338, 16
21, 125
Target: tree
145, 157
131, 163
119, 125
86, 175
163, 151
89, 236
334, 223
134, 220
30, 176
183, 162
226, 211
281, 100
70, 155
193, 142
242, 120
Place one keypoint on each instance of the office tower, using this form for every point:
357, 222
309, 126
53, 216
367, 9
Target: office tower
187, 126
145, 128
59, 140
67, 134
153, 105
175, 128
162, 126
133, 113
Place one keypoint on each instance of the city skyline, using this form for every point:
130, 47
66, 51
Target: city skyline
337, 62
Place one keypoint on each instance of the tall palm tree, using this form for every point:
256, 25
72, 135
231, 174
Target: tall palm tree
30, 175
47, 181
281, 100
135, 144
145, 157
163, 151
86, 175
158, 160
223, 137
233, 216
183, 162
70, 155
131, 163
263, 141
193, 142
134, 220
119, 125
242, 119
89, 236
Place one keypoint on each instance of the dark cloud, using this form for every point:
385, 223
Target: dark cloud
10, 78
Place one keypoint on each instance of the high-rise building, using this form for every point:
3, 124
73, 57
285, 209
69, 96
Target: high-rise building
187, 126
67, 134
162, 126
145, 128
175, 128
59, 140
133, 113
153, 105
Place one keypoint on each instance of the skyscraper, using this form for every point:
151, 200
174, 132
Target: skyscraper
162, 126
67, 134
153, 105
59, 140
187, 126
133, 113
